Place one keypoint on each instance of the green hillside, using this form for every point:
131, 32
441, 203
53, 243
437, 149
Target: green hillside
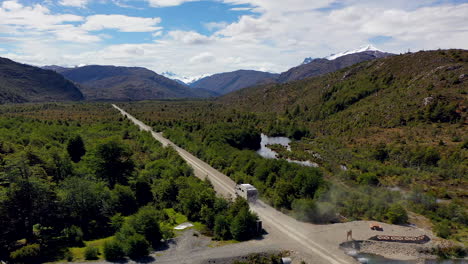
21, 83
385, 133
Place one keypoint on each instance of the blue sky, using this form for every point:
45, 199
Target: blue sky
192, 38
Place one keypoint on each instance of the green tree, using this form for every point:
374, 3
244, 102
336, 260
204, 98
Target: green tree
29, 200
137, 246
123, 199
396, 214
243, 225
146, 223
76, 148
112, 162
83, 200
221, 227
114, 250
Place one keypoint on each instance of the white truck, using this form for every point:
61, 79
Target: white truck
247, 192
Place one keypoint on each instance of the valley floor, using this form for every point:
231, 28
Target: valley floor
314, 243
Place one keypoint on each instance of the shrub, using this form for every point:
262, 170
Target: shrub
26, 254
113, 250
243, 224
442, 229
117, 221
368, 178
396, 214
137, 246
145, 223
91, 253
73, 235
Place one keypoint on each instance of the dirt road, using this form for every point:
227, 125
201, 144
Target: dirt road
316, 243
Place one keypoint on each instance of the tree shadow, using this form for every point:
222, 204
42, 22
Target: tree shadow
147, 259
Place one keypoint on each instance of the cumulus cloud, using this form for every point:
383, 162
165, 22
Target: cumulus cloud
166, 3
121, 23
277, 36
74, 3
37, 20
189, 37
215, 25
204, 57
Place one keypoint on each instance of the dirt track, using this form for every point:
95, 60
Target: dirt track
315, 243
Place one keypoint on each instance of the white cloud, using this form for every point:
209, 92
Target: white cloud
189, 37
121, 23
157, 34
74, 3
11, 5
204, 57
74, 34
278, 36
35, 17
241, 9
215, 25
166, 3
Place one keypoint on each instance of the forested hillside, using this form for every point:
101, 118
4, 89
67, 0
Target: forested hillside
223, 83
127, 84
79, 182
389, 135
21, 83
317, 67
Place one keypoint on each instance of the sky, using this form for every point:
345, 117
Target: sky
192, 38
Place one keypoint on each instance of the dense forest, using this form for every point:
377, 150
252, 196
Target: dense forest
75, 173
390, 137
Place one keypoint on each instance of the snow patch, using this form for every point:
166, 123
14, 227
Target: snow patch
348, 52
187, 80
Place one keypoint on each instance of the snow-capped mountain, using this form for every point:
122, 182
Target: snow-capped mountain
308, 60
361, 49
183, 79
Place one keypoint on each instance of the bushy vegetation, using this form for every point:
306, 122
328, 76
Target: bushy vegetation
378, 130
72, 172
91, 253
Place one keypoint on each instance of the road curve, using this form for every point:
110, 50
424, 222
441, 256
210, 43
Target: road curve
299, 236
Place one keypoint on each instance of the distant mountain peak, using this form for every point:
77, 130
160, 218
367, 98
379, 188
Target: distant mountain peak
368, 47
184, 79
308, 60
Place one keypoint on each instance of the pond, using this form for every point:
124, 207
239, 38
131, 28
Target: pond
268, 153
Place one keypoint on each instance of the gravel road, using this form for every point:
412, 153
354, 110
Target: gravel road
318, 244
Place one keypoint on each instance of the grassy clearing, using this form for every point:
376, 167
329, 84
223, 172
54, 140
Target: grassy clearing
176, 219
78, 252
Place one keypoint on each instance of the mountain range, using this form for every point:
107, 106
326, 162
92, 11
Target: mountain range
20, 83
126, 83
322, 66
384, 92
227, 82
97, 82
224, 83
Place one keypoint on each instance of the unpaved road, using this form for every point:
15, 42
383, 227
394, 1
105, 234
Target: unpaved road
316, 244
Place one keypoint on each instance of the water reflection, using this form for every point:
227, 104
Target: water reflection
268, 153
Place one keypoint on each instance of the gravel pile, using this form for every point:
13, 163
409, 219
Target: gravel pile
396, 250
